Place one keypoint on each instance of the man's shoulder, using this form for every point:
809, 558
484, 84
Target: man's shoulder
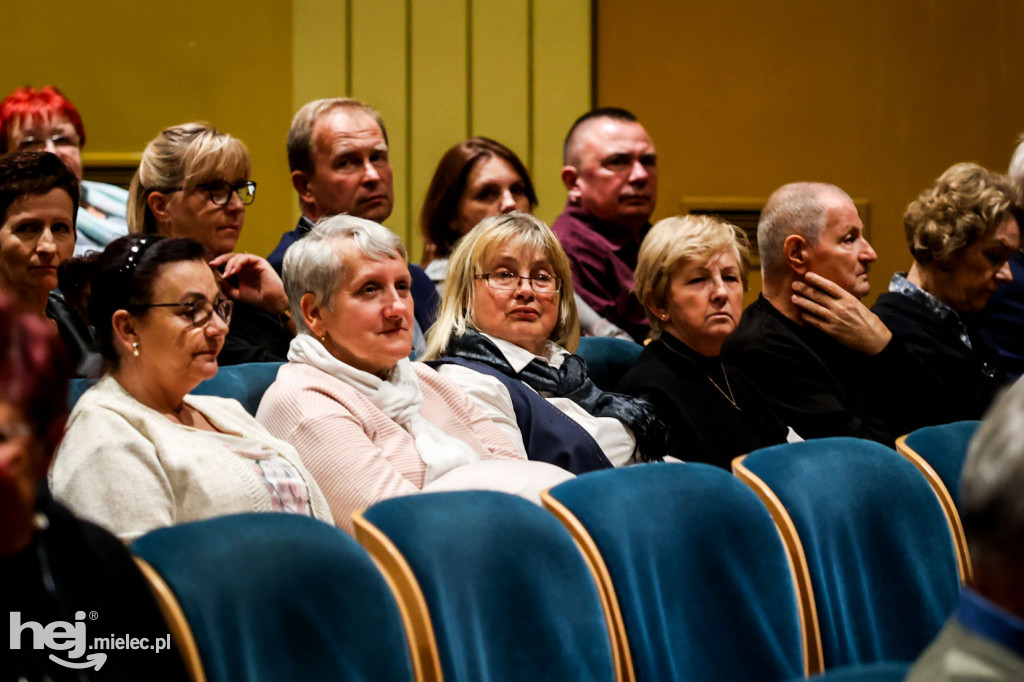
276, 257
760, 322
578, 234
957, 649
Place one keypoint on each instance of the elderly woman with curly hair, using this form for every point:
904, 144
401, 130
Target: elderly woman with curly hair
962, 232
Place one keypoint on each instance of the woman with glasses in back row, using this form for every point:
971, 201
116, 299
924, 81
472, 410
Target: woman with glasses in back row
139, 452
193, 181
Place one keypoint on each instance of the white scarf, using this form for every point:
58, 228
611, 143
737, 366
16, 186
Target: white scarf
398, 397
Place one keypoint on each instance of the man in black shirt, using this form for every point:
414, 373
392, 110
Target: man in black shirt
827, 363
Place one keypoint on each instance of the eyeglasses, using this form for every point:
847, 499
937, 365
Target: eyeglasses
202, 310
220, 191
38, 144
506, 280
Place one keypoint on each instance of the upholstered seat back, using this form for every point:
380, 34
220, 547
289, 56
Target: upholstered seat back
272, 597
698, 569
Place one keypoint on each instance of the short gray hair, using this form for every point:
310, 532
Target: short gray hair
312, 264
991, 504
795, 208
300, 132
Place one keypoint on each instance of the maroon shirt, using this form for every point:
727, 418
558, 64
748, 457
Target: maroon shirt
603, 257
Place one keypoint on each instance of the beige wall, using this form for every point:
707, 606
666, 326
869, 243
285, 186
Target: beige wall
438, 70
133, 71
876, 97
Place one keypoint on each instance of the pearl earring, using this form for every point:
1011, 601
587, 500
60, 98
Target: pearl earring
135, 349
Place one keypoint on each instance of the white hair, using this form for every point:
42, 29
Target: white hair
992, 506
312, 265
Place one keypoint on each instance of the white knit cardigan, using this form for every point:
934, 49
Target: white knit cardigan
130, 469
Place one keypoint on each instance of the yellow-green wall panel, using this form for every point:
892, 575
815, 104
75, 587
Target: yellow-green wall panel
320, 54
500, 71
561, 91
380, 76
878, 98
438, 96
133, 71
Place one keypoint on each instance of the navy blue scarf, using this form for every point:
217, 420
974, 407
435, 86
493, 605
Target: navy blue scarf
572, 381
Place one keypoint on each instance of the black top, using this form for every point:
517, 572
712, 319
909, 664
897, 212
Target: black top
255, 336
77, 336
822, 388
76, 568
1002, 321
970, 377
704, 426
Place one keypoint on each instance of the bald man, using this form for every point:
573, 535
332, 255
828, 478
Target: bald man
828, 364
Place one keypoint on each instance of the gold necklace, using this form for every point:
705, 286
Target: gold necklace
728, 396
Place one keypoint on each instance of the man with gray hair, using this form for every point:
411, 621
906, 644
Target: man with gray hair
1003, 317
828, 364
984, 639
338, 157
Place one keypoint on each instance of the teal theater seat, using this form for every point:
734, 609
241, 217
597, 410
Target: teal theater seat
874, 556
698, 572
607, 359
272, 597
496, 587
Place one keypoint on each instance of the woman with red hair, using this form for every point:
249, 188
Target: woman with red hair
44, 120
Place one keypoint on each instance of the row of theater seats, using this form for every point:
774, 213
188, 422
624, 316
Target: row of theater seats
832, 555
607, 361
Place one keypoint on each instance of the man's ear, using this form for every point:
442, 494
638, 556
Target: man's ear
570, 178
300, 181
312, 314
795, 254
123, 325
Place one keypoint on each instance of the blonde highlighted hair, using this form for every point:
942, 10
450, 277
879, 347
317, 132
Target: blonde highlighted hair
469, 259
181, 158
674, 241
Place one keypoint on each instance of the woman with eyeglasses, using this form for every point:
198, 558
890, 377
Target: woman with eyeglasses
44, 120
193, 181
139, 452
504, 334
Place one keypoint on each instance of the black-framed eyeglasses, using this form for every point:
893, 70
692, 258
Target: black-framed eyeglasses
506, 280
220, 191
202, 310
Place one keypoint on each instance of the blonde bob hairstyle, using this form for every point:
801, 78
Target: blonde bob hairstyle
183, 157
469, 259
678, 240
965, 204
